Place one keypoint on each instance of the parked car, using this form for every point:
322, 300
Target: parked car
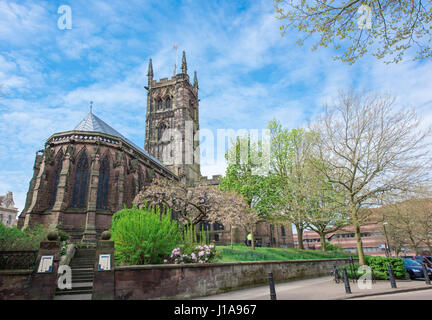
415, 269
423, 259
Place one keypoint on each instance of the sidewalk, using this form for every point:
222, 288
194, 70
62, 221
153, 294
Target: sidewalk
323, 288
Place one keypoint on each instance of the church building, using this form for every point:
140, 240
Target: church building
84, 175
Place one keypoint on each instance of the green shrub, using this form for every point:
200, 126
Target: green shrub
28, 239
143, 236
63, 235
379, 266
192, 239
334, 247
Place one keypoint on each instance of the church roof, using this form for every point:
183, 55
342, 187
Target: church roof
92, 123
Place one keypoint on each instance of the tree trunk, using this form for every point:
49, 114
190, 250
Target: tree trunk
253, 240
231, 236
323, 243
356, 225
430, 248
300, 237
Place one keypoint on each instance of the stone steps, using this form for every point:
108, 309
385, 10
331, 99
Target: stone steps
82, 265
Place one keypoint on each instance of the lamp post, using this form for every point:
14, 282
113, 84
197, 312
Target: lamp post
388, 250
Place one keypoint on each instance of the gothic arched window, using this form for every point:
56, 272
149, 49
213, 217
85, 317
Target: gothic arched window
168, 103
80, 183
56, 181
159, 104
103, 185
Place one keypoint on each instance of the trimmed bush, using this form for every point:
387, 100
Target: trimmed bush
379, 266
143, 236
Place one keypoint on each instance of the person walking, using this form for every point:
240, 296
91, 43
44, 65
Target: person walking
249, 239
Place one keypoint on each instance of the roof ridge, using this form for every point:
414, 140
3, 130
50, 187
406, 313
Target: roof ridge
93, 123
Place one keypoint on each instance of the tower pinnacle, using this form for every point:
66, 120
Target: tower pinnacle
184, 64
195, 81
150, 70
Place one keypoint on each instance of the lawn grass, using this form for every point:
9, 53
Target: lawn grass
244, 253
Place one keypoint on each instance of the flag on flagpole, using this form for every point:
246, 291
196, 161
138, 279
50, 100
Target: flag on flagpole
175, 46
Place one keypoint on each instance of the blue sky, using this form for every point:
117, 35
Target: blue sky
247, 73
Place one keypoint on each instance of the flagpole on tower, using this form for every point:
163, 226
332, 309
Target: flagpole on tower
175, 64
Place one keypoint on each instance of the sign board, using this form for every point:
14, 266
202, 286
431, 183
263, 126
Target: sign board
381, 246
104, 263
46, 264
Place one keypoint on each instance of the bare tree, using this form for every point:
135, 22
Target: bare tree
371, 150
410, 223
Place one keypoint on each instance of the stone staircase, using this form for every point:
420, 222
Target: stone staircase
82, 265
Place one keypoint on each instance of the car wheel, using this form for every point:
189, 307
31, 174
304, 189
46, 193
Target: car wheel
411, 275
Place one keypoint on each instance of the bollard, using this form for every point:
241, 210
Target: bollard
391, 276
373, 276
425, 274
272, 287
346, 281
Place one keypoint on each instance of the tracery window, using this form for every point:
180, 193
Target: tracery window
103, 185
159, 104
168, 103
81, 182
56, 181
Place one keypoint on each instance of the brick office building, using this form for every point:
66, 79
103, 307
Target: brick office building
372, 238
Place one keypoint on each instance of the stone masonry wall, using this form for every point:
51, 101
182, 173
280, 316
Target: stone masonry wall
196, 280
14, 284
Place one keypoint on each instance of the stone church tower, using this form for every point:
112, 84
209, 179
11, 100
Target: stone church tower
172, 122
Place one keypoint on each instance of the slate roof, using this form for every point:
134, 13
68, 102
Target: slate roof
92, 123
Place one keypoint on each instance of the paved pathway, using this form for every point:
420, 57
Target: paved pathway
323, 288
412, 295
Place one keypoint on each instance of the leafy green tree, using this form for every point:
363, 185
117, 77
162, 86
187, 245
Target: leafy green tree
290, 196
387, 27
246, 165
327, 210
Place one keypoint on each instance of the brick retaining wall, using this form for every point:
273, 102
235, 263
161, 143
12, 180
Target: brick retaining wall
196, 280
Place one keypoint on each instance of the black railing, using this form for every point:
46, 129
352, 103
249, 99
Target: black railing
18, 260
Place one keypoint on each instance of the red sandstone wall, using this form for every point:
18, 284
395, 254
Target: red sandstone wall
14, 285
196, 280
